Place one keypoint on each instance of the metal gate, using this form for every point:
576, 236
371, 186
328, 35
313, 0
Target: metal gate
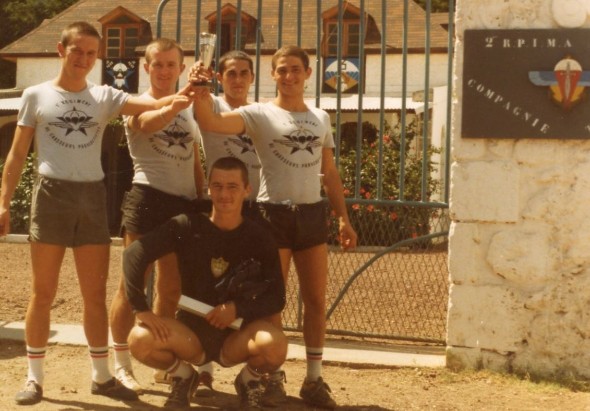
381, 71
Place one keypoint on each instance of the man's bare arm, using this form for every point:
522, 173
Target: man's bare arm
335, 192
223, 123
23, 136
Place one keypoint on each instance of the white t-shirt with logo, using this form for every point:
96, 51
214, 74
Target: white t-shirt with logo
217, 145
165, 159
289, 146
69, 128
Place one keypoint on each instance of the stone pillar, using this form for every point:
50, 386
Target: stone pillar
519, 256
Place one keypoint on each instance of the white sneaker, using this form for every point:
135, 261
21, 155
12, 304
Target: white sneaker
126, 377
162, 377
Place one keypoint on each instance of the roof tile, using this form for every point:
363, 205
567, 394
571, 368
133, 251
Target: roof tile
42, 40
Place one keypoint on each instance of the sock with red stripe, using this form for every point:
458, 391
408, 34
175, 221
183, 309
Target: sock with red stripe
100, 364
36, 360
122, 356
314, 362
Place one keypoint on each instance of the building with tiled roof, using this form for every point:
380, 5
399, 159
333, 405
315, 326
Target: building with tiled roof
277, 23
41, 41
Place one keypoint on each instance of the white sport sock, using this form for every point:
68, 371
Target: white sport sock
207, 367
36, 360
122, 356
314, 362
180, 369
99, 357
248, 374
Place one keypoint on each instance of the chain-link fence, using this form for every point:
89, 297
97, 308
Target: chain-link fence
397, 292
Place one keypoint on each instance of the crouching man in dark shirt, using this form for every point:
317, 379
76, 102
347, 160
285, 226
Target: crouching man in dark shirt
227, 262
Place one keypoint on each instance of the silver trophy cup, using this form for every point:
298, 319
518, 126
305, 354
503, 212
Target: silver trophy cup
206, 52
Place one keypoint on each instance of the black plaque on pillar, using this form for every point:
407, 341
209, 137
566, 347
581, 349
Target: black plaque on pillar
526, 84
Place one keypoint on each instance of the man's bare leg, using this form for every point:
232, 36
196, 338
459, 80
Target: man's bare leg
312, 270
122, 321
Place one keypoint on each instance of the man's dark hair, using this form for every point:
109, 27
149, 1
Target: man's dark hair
234, 55
290, 51
230, 163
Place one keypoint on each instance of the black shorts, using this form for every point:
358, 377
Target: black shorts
296, 227
211, 338
145, 208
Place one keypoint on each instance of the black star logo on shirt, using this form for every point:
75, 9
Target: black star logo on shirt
175, 135
74, 120
300, 142
245, 143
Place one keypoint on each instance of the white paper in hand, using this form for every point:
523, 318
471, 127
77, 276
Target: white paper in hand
201, 309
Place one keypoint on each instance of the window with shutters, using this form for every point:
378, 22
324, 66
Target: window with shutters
229, 38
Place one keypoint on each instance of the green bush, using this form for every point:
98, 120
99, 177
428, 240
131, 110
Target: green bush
20, 205
381, 223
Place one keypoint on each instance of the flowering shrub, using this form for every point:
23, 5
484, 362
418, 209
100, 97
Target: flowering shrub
380, 223
20, 204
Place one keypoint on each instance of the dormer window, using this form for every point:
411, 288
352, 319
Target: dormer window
229, 24
122, 32
350, 38
121, 40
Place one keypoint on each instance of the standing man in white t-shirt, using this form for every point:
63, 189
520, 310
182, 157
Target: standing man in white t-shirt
235, 74
168, 179
66, 117
295, 146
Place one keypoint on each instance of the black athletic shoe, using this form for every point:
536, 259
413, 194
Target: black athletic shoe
317, 393
181, 392
113, 389
250, 394
274, 389
205, 386
31, 394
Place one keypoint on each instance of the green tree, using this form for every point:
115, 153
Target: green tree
18, 18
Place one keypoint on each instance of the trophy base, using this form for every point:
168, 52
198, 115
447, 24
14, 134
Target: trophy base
208, 84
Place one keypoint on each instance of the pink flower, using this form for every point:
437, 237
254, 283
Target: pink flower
393, 215
367, 195
356, 206
370, 208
